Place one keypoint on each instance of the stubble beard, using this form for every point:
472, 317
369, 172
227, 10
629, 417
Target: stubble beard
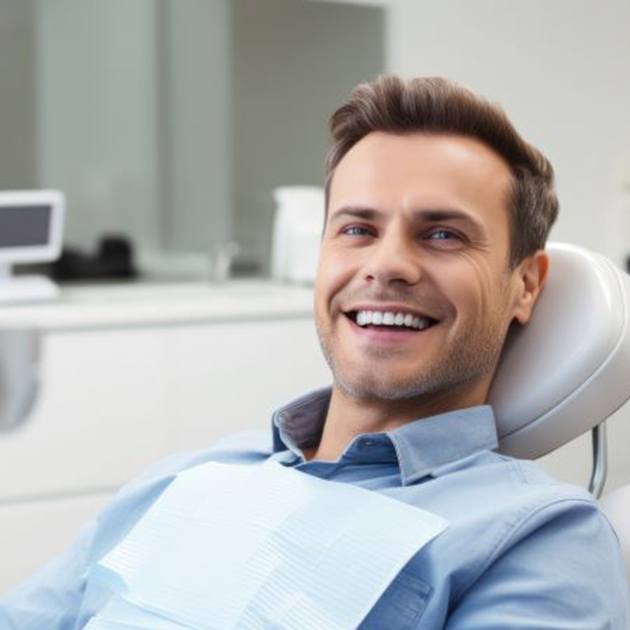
473, 354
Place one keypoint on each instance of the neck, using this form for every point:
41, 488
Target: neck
348, 417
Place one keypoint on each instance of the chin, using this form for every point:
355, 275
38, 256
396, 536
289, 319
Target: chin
368, 387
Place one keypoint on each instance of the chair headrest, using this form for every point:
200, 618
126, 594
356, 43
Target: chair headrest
568, 369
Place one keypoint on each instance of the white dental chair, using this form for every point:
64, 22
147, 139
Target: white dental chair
569, 369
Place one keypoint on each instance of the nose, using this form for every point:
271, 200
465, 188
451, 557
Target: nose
393, 258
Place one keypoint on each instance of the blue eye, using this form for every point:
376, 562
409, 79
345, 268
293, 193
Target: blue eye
355, 230
444, 238
443, 235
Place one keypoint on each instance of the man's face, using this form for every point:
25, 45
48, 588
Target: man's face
417, 225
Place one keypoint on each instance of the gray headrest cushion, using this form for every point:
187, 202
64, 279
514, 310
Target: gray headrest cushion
568, 369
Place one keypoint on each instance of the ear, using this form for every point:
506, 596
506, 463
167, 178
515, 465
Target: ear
531, 274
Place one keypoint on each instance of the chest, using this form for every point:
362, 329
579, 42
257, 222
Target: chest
269, 548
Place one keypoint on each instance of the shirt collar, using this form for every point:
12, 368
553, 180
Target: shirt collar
420, 447
299, 424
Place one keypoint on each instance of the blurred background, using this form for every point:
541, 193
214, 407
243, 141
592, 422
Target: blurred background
168, 124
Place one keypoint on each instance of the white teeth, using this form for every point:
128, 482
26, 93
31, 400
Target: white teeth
389, 318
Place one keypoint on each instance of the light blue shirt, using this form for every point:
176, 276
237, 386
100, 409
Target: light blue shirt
522, 550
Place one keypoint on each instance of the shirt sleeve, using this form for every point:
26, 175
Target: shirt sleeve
559, 568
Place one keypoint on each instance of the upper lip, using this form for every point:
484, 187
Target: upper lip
392, 308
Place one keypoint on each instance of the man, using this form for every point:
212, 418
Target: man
433, 247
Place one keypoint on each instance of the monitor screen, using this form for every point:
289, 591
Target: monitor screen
25, 226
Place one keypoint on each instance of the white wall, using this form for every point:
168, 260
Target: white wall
96, 114
561, 69
195, 123
17, 109
293, 63
134, 118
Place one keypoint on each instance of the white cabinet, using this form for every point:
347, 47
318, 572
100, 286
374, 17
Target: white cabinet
231, 376
99, 415
117, 394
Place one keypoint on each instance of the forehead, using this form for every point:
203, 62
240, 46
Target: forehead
410, 171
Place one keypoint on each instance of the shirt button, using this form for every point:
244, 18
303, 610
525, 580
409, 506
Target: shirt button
368, 443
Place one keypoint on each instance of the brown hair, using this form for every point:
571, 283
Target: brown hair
437, 105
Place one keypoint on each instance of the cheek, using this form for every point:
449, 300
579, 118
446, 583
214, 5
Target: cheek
333, 274
470, 286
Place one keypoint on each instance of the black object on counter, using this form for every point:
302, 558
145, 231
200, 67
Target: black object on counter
114, 258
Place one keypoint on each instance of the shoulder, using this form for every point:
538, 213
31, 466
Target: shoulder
517, 502
560, 532
551, 550
544, 496
537, 498
488, 482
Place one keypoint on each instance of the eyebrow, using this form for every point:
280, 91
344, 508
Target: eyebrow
429, 215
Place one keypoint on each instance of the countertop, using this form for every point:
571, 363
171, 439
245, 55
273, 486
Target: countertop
138, 304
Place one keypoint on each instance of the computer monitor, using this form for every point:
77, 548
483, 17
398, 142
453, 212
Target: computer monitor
31, 226
31, 231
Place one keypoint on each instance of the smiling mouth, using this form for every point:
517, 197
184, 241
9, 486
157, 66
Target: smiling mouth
389, 321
